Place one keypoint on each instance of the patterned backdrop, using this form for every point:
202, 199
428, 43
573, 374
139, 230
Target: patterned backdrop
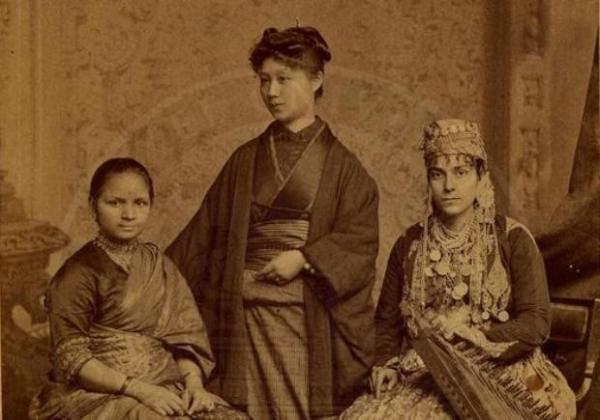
169, 83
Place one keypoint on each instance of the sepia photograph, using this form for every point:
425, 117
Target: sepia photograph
368, 210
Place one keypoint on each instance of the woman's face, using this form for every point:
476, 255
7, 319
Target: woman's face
288, 93
123, 206
453, 181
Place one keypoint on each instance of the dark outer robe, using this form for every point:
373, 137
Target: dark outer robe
342, 245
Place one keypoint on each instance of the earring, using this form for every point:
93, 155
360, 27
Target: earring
429, 203
485, 196
485, 192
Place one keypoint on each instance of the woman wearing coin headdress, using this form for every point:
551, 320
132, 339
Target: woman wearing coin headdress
473, 277
281, 255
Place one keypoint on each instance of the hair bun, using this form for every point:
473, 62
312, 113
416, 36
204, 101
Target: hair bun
300, 46
269, 31
314, 37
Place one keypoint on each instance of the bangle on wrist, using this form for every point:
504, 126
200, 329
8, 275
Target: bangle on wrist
188, 374
309, 268
126, 383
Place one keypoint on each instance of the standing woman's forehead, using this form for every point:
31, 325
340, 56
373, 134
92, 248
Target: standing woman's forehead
273, 66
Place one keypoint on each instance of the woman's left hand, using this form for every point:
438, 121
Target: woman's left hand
283, 267
452, 322
197, 399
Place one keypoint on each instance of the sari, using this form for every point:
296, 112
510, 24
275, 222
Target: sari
134, 318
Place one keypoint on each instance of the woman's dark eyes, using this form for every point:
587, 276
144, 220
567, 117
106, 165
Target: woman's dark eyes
435, 175
462, 171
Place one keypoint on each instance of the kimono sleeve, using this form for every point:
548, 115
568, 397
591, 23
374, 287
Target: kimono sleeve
389, 322
197, 250
191, 250
345, 256
530, 323
70, 301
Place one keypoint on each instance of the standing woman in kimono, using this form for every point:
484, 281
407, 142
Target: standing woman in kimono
281, 254
127, 339
478, 280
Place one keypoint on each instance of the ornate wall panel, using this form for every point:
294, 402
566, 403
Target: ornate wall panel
550, 46
169, 84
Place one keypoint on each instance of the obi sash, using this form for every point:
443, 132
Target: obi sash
280, 216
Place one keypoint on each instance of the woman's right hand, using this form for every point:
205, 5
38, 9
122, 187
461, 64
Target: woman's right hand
158, 398
383, 379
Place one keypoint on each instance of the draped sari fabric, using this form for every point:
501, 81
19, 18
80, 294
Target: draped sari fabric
132, 322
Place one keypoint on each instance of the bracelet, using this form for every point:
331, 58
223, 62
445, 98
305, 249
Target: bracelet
126, 383
185, 375
309, 268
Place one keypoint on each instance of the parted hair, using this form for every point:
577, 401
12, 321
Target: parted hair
298, 47
118, 166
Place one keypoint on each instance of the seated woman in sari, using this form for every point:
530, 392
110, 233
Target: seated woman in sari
127, 339
475, 282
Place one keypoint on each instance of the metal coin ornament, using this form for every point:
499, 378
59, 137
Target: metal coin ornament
461, 288
485, 315
459, 291
442, 268
435, 255
503, 316
466, 270
429, 271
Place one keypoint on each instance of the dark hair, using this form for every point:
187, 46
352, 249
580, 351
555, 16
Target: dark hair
476, 162
118, 166
297, 47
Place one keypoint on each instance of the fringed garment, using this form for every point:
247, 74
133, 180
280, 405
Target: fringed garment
496, 274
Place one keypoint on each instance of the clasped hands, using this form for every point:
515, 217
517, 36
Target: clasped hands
194, 399
283, 268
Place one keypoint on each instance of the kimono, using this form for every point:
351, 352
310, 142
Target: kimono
133, 321
518, 288
300, 349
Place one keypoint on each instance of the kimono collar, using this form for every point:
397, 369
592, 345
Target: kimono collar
281, 133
